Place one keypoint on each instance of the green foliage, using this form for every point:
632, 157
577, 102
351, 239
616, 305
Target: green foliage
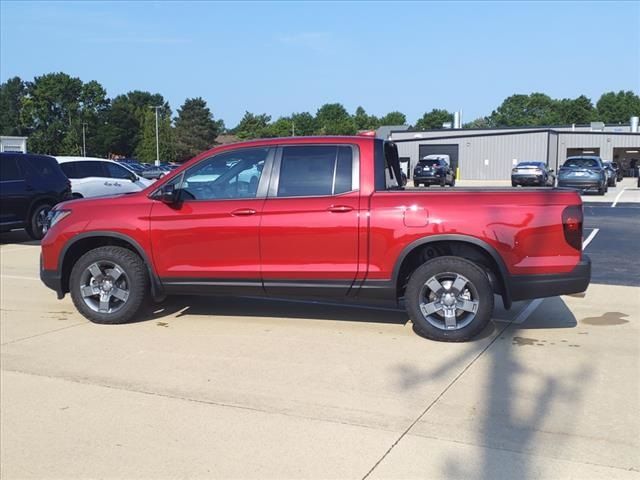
434, 119
579, 110
305, 124
394, 118
253, 126
71, 143
333, 119
12, 93
283, 127
124, 121
481, 122
195, 129
146, 149
618, 107
364, 121
526, 110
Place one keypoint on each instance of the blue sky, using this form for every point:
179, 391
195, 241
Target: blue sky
288, 57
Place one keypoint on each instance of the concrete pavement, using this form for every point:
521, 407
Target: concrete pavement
237, 388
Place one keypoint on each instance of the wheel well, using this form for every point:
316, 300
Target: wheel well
36, 203
469, 251
79, 248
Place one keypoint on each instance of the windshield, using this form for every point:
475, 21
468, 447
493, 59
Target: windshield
581, 163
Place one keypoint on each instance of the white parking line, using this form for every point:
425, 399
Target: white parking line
591, 236
19, 277
615, 202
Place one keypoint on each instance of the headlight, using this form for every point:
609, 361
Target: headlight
54, 217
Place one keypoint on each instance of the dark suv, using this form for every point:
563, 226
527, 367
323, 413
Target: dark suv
434, 171
584, 173
29, 186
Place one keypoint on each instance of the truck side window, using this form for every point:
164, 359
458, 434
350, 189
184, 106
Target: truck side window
229, 175
315, 170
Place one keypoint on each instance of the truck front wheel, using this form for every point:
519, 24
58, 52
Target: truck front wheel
109, 285
449, 299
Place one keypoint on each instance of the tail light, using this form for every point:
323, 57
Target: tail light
572, 225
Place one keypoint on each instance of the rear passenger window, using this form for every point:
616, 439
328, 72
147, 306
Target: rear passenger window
117, 171
316, 170
9, 169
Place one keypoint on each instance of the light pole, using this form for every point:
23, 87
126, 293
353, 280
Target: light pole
157, 137
84, 140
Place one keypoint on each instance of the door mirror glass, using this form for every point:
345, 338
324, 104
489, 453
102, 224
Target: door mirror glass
168, 194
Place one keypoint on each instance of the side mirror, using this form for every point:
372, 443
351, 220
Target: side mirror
168, 194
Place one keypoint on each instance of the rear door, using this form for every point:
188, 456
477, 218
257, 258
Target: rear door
309, 229
14, 196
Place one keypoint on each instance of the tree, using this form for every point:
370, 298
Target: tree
12, 93
364, 121
618, 107
304, 123
434, 119
195, 129
393, 118
481, 122
579, 110
283, 127
146, 149
123, 123
253, 126
333, 119
532, 110
71, 142
51, 104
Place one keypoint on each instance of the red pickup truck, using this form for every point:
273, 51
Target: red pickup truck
316, 217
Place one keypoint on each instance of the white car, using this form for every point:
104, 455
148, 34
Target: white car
97, 177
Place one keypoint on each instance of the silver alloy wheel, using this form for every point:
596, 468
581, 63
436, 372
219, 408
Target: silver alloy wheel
41, 219
104, 287
449, 301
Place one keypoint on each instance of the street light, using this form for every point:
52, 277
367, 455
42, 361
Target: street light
157, 137
84, 140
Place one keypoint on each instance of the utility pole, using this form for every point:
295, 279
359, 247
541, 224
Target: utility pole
293, 128
84, 140
157, 137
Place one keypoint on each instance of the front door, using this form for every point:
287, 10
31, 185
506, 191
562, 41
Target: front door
309, 229
208, 240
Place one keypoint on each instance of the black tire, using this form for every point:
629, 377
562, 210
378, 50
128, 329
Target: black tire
443, 182
602, 190
36, 222
453, 182
514, 184
134, 275
416, 184
476, 289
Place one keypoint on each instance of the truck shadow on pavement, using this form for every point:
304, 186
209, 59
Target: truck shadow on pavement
17, 237
509, 421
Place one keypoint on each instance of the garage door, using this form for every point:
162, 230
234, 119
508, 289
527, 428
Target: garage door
451, 150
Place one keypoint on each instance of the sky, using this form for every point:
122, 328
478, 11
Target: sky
284, 57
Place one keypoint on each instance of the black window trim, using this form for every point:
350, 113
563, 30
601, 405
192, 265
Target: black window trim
355, 169
262, 183
21, 171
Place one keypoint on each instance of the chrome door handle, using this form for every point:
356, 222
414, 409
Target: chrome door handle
243, 212
339, 208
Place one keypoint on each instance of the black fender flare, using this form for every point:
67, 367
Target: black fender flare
504, 273
157, 290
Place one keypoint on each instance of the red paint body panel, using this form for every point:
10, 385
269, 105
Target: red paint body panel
301, 239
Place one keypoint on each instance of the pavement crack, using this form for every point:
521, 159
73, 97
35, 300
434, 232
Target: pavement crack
201, 401
42, 333
435, 400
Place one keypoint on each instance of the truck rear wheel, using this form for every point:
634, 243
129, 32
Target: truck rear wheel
109, 285
449, 299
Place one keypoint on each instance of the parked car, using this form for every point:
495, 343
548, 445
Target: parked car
614, 174
96, 177
584, 173
154, 173
611, 174
434, 170
321, 216
532, 173
30, 185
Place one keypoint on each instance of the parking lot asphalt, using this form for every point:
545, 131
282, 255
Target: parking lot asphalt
246, 388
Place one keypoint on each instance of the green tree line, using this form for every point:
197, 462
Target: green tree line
54, 109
